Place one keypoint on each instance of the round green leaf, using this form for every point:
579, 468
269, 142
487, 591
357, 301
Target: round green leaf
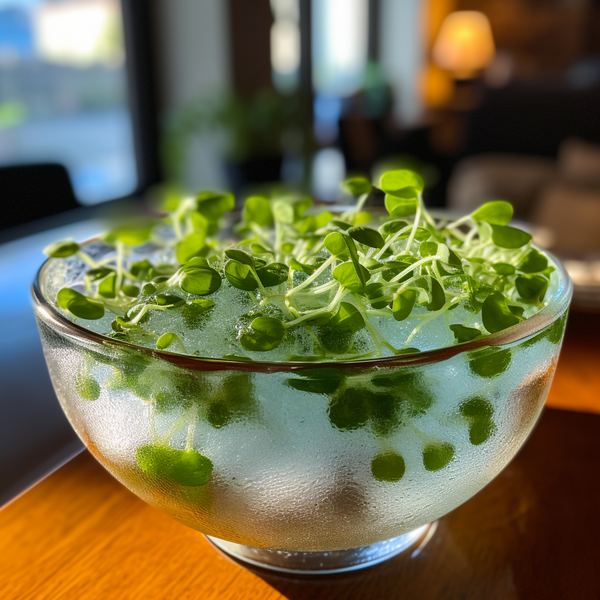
480, 430
201, 281
497, 212
165, 340
196, 312
509, 237
350, 410
403, 304
348, 277
98, 273
428, 249
107, 287
437, 456
389, 466
273, 274
79, 305
140, 269
534, 262
367, 236
503, 268
257, 209
438, 298
189, 247
490, 363
495, 313
532, 288
283, 211
347, 318
239, 256
392, 182
194, 263
131, 291
240, 276
264, 334
393, 226
87, 387
134, 234
185, 467
62, 249
357, 186
336, 244
213, 205
477, 407
169, 300
401, 207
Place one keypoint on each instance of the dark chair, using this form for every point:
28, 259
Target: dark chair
30, 192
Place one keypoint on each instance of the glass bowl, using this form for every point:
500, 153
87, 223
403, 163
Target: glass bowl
303, 467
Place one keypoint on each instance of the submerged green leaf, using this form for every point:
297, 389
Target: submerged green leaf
265, 333
437, 456
184, 467
389, 467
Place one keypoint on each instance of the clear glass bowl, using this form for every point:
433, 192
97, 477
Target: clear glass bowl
303, 466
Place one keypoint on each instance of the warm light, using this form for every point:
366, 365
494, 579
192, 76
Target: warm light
436, 87
465, 44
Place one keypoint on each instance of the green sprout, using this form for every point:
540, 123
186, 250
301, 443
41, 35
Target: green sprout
323, 275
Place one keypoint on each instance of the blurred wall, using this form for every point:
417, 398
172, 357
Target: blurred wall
193, 61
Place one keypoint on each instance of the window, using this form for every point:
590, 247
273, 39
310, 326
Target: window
63, 93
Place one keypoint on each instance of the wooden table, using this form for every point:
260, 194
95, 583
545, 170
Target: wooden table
534, 532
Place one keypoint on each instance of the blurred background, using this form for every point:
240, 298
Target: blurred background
486, 98
101, 101
104, 99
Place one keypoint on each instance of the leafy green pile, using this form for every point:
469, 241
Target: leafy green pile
327, 275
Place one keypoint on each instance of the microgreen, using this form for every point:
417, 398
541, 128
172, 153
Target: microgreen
389, 467
437, 456
315, 274
185, 467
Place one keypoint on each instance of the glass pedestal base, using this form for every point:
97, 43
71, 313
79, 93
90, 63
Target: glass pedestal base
320, 563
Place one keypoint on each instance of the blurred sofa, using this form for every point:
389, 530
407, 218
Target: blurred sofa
560, 197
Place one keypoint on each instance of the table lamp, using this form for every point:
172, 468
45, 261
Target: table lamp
465, 44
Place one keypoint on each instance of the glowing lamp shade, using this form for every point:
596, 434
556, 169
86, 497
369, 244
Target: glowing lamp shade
465, 44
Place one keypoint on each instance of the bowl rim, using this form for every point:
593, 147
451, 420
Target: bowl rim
555, 308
